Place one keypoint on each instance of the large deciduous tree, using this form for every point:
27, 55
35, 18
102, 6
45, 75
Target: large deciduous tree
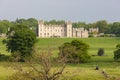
102, 25
20, 41
115, 28
76, 51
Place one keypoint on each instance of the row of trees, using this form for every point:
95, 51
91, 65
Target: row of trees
5, 24
103, 25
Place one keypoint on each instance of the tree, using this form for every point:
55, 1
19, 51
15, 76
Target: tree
76, 51
117, 52
102, 25
30, 22
115, 28
79, 25
20, 41
46, 68
4, 25
67, 50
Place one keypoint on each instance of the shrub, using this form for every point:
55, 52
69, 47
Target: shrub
76, 51
117, 52
3, 57
101, 52
40, 67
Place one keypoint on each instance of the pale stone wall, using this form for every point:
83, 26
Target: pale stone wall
46, 31
65, 30
80, 32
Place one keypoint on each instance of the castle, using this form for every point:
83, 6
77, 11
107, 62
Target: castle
62, 31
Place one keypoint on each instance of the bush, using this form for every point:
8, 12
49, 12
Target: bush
101, 52
3, 57
40, 67
117, 52
75, 52
91, 35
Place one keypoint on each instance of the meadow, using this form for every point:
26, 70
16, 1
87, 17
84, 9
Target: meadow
84, 71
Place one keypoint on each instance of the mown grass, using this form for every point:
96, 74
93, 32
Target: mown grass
3, 47
83, 71
106, 62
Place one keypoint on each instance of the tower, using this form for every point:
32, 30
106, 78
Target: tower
68, 29
40, 28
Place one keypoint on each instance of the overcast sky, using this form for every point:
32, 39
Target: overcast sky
74, 10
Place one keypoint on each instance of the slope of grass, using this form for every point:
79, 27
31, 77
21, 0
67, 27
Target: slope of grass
95, 43
3, 48
83, 71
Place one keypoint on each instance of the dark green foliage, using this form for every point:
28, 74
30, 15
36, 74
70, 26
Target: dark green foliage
20, 39
67, 50
102, 25
76, 51
30, 22
79, 24
115, 28
3, 57
100, 52
91, 35
117, 52
4, 25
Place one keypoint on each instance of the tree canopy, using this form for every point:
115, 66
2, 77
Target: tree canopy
75, 51
20, 40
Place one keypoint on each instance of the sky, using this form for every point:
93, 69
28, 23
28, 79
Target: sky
73, 10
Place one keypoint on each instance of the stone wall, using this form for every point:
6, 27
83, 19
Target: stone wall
63, 30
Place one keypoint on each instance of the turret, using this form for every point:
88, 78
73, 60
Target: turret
40, 28
69, 29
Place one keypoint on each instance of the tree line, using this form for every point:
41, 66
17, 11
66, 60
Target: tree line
5, 25
103, 25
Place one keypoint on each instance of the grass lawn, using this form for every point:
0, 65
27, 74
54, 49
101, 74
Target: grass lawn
83, 71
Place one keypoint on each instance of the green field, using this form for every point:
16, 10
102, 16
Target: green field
82, 71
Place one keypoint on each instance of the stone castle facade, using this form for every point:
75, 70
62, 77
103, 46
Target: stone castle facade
63, 31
